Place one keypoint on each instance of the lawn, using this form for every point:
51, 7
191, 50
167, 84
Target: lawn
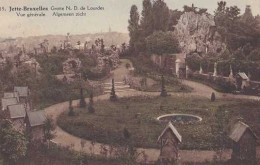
138, 116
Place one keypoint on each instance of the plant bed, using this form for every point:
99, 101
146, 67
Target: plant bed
138, 115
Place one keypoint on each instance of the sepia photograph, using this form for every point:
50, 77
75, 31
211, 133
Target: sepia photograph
130, 82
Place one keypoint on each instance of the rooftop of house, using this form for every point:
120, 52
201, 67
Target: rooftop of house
239, 130
174, 131
17, 111
8, 101
36, 118
11, 94
22, 91
243, 75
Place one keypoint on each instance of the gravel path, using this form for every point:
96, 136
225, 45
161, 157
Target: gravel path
150, 155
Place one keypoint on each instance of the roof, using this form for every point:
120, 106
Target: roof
243, 75
17, 111
22, 91
174, 131
36, 118
239, 130
8, 101
11, 94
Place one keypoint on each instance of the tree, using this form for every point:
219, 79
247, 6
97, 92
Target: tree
82, 102
113, 96
213, 97
248, 17
13, 144
146, 22
163, 90
49, 126
161, 16
71, 112
133, 27
91, 108
162, 42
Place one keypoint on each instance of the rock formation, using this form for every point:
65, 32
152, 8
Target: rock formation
197, 33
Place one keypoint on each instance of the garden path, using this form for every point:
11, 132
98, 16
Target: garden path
150, 155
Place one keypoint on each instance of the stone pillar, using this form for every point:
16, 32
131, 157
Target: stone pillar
201, 71
231, 72
187, 71
177, 65
215, 70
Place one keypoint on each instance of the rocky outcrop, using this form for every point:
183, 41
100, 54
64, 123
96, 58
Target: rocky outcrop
197, 33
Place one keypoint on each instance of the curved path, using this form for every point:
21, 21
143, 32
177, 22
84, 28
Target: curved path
148, 155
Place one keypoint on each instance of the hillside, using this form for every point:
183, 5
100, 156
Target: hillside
115, 38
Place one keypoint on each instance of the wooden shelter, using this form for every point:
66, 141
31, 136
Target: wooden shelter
35, 122
17, 114
169, 141
244, 142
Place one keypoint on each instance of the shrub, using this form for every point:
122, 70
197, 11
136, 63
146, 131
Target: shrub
113, 96
91, 108
213, 97
82, 103
71, 112
163, 90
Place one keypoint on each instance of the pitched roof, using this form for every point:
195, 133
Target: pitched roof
243, 75
22, 91
8, 101
11, 94
174, 131
36, 118
17, 111
239, 130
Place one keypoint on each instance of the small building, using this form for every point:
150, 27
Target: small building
244, 142
242, 80
8, 101
17, 114
169, 141
11, 95
35, 122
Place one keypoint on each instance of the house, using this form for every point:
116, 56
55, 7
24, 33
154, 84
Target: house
35, 121
23, 93
242, 80
17, 114
172, 63
169, 141
8, 101
11, 95
244, 142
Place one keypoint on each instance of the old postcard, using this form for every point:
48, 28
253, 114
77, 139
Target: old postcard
130, 82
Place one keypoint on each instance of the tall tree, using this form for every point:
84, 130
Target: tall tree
147, 18
248, 17
161, 16
133, 27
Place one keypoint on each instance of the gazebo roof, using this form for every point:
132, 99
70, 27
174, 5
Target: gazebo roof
239, 130
173, 130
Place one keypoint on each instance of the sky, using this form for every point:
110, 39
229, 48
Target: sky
114, 15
